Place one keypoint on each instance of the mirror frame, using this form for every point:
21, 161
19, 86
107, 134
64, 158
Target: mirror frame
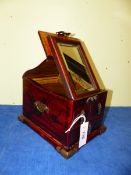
53, 40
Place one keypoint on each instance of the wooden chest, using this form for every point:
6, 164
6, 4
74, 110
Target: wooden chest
61, 93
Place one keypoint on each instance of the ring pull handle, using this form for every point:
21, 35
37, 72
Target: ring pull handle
41, 107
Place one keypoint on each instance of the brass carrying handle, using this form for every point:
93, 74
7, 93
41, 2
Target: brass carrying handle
62, 33
41, 107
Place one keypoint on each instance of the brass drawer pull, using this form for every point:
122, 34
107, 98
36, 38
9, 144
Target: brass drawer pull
41, 107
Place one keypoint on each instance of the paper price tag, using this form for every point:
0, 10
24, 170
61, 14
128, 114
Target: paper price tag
83, 133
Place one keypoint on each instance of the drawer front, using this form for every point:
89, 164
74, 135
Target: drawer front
47, 111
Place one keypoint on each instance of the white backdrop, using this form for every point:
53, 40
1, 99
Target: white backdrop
104, 26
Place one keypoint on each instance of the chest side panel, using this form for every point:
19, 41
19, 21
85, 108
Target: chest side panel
93, 108
56, 116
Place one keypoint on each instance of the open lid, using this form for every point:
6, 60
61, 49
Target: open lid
72, 63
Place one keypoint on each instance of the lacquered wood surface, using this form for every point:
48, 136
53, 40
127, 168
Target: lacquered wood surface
50, 103
62, 112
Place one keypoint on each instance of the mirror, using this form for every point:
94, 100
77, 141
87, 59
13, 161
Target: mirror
73, 59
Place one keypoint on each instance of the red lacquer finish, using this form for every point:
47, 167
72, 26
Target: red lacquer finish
50, 103
54, 121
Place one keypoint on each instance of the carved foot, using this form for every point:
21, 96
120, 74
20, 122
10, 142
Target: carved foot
102, 129
66, 154
21, 118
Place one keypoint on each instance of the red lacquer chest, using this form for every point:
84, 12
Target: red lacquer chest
62, 93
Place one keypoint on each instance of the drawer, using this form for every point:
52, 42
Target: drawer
47, 111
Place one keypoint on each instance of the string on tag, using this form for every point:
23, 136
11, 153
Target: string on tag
75, 120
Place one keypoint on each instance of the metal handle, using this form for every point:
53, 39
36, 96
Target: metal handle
62, 33
92, 99
41, 107
99, 108
99, 105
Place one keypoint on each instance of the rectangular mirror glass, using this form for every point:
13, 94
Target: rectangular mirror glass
74, 62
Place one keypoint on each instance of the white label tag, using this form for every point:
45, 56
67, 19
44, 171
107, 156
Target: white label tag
83, 133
